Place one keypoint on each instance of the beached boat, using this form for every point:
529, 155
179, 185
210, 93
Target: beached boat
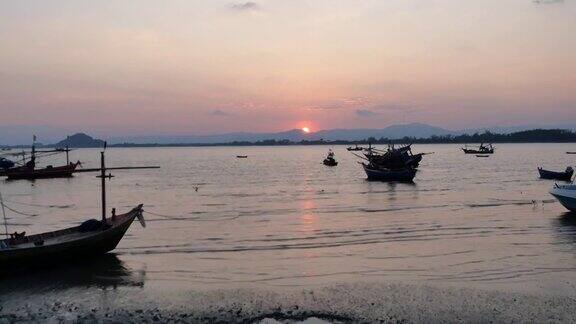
330, 160
566, 195
382, 174
92, 237
553, 175
482, 149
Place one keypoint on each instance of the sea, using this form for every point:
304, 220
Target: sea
279, 237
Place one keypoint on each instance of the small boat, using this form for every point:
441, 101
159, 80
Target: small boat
31, 173
382, 174
569, 152
482, 149
482, 155
330, 160
92, 237
566, 195
242, 156
355, 148
553, 175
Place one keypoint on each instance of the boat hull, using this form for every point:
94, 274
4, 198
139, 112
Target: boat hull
401, 175
65, 171
552, 175
472, 151
566, 195
83, 246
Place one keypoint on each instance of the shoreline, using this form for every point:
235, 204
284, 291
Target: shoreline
361, 302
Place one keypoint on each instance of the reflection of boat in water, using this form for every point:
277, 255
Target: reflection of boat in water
330, 160
481, 149
553, 175
91, 238
102, 271
383, 174
566, 195
482, 155
355, 148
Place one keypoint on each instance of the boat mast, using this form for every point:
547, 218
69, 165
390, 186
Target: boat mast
103, 177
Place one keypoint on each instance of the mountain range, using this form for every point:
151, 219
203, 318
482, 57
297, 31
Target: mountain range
23, 135
417, 130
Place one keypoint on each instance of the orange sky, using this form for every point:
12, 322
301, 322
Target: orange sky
148, 67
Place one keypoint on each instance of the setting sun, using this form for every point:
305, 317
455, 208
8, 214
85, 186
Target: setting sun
306, 129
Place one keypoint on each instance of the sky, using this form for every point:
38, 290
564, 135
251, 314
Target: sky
138, 67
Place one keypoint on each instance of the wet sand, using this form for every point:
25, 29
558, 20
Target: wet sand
361, 302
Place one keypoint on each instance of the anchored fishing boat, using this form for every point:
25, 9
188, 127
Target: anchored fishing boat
355, 148
92, 237
27, 167
482, 149
553, 175
566, 195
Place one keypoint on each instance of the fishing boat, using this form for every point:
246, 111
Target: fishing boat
383, 174
566, 195
330, 160
566, 175
394, 158
29, 172
92, 237
355, 148
27, 167
482, 149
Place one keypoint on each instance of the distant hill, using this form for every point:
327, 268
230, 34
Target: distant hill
80, 140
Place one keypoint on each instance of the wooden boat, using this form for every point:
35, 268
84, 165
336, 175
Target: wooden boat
482, 149
31, 173
355, 148
566, 195
330, 160
90, 238
382, 174
553, 175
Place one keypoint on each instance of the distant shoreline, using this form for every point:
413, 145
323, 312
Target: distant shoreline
530, 136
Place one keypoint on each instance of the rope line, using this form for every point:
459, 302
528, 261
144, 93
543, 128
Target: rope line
18, 212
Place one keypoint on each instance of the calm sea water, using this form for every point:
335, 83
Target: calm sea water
281, 220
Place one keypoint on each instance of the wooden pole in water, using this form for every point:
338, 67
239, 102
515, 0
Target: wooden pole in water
103, 178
